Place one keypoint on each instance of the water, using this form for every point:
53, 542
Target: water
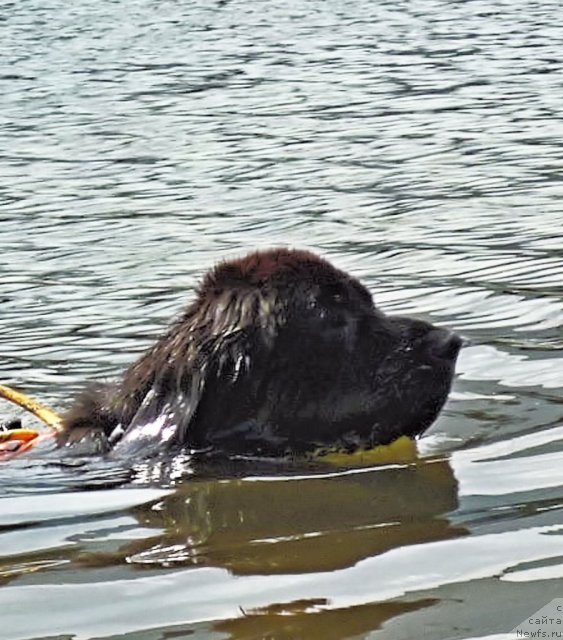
417, 144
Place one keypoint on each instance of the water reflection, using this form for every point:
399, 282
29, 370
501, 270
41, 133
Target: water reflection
306, 619
297, 525
253, 525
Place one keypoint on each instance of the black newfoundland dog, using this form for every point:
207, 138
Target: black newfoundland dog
280, 353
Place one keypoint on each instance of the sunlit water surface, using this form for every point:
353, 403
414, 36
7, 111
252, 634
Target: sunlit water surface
416, 143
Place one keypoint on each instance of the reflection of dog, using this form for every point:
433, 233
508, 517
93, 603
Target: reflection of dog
260, 527
279, 353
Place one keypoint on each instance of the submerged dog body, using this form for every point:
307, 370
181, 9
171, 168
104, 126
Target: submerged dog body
280, 352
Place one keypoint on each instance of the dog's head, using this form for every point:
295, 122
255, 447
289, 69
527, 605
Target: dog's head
283, 353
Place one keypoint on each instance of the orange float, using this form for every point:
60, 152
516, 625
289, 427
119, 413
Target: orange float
15, 441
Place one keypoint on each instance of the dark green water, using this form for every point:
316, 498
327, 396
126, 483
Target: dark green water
418, 144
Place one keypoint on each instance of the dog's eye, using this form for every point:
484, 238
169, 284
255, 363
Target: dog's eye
335, 295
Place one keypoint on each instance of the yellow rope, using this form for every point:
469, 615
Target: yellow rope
48, 416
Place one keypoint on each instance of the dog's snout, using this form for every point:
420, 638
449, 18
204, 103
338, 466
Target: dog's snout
444, 344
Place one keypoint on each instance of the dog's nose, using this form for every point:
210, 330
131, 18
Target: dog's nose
444, 344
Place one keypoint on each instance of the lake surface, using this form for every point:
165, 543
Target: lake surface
417, 144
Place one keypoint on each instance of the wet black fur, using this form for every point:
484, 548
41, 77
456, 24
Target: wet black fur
280, 352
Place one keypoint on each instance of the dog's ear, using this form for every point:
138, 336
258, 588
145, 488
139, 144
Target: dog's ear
203, 359
166, 412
